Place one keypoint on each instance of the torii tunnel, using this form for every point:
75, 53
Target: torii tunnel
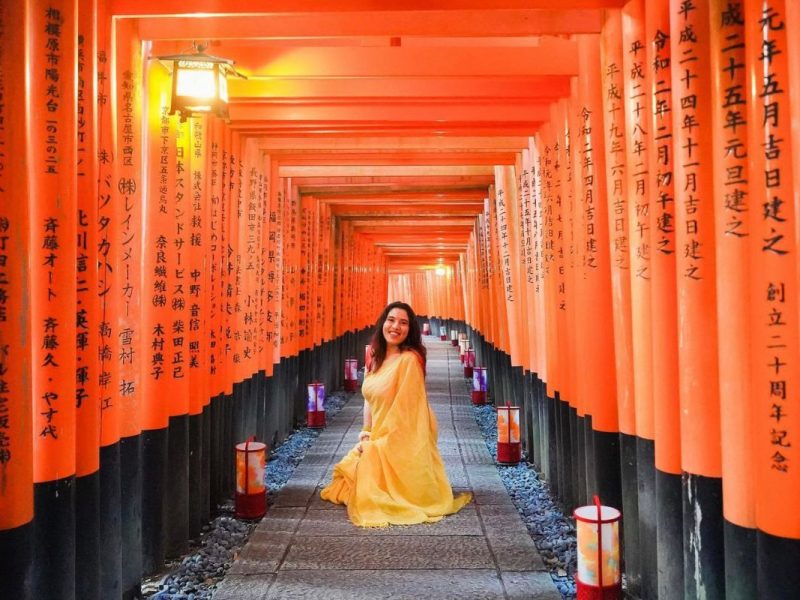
602, 194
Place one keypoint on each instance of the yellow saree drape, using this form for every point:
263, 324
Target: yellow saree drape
399, 479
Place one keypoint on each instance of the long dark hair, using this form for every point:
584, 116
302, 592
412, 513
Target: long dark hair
412, 342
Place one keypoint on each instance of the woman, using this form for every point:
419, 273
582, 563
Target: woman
395, 474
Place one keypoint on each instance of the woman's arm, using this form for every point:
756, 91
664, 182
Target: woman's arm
367, 426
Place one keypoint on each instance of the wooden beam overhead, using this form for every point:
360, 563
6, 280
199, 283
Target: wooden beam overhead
498, 24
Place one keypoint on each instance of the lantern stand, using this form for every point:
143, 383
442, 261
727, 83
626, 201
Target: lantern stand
199, 82
598, 576
315, 414
350, 374
251, 492
509, 447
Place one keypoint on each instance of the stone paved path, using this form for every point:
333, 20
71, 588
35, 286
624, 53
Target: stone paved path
307, 548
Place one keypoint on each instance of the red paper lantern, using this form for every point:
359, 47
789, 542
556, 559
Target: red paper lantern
509, 447
598, 576
479, 385
315, 414
350, 374
251, 489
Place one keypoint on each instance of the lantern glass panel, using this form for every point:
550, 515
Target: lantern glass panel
479, 379
587, 545
251, 466
223, 87
195, 83
508, 424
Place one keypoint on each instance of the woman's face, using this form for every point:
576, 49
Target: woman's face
395, 327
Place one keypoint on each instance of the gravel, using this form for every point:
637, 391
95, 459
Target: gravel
196, 575
552, 532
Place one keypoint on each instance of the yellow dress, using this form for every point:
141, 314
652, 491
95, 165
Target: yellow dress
399, 479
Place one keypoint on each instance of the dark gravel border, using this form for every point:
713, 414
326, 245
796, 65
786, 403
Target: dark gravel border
552, 532
195, 576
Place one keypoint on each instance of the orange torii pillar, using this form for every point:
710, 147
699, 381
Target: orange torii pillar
616, 183
87, 318
52, 163
637, 97
110, 409
597, 392
16, 412
775, 341
197, 304
666, 409
703, 548
731, 206
157, 262
124, 310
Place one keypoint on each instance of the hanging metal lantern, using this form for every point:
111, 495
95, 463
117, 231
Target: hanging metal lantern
598, 576
199, 83
509, 447
251, 488
315, 413
350, 374
479, 385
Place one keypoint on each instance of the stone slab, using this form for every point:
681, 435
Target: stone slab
387, 585
388, 552
331, 523
281, 520
537, 585
262, 554
244, 587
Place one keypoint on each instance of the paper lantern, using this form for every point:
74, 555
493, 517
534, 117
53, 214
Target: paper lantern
462, 348
350, 374
426, 329
454, 337
479, 385
315, 414
443, 333
251, 489
598, 576
509, 447
469, 362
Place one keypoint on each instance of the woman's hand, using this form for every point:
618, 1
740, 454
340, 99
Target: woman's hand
362, 437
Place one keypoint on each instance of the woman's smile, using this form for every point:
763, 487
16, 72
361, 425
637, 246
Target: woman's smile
395, 328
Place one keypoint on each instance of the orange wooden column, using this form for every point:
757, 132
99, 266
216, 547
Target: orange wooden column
107, 249
729, 114
619, 230
87, 318
505, 207
666, 403
16, 408
614, 118
598, 392
697, 309
637, 101
52, 160
774, 293
125, 310
157, 262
